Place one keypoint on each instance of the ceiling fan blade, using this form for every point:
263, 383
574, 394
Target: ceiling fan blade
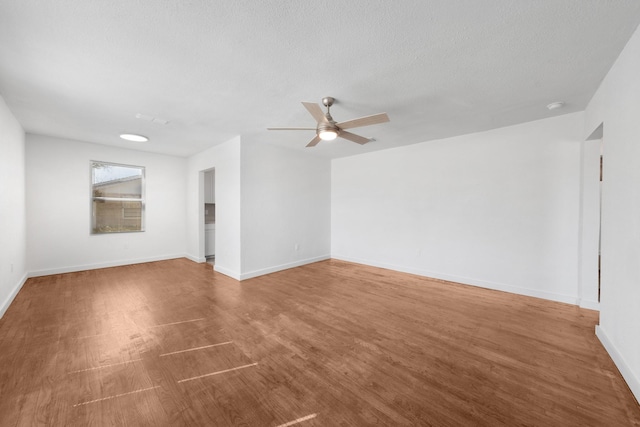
353, 137
315, 111
291, 128
364, 121
314, 141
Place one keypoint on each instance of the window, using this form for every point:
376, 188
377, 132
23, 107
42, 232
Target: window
117, 198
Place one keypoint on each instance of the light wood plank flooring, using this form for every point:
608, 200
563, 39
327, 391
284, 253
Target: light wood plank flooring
328, 344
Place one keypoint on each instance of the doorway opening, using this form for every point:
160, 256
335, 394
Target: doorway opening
600, 218
209, 208
589, 255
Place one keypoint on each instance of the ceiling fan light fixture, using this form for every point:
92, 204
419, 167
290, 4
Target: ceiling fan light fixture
327, 131
328, 135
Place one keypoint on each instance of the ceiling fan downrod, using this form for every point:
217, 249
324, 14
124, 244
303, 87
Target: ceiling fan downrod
328, 101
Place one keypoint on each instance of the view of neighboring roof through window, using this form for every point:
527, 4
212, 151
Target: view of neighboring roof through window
103, 172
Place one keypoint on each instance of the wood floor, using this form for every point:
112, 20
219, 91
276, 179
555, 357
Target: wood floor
329, 344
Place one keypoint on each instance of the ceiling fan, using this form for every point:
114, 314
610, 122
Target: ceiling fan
328, 129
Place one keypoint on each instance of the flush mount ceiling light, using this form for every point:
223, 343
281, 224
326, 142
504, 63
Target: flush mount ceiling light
133, 137
555, 105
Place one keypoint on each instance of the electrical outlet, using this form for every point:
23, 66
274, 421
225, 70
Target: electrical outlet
12, 267
296, 247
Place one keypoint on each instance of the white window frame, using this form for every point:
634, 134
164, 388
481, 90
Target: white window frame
93, 198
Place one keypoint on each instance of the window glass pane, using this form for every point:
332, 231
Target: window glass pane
112, 216
117, 198
111, 180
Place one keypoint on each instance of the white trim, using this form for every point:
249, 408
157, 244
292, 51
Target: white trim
262, 272
195, 258
552, 296
226, 272
73, 269
591, 305
12, 295
625, 370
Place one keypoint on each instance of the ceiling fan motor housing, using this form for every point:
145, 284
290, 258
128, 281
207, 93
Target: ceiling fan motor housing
328, 126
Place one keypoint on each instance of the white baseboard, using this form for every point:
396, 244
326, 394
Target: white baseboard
216, 267
195, 258
12, 295
72, 269
625, 370
263, 271
226, 272
567, 299
591, 305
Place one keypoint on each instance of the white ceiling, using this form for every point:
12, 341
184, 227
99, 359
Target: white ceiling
216, 69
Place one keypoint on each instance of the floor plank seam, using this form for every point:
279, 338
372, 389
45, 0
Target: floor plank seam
115, 396
196, 348
217, 372
298, 420
177, 323
104, 366
151, 388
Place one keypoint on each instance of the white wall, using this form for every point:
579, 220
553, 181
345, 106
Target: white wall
225, 158
497, 209
268, 200
617, 105
58, 207
286, 201
13, 238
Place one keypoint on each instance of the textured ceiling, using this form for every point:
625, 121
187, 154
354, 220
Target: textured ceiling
217, 69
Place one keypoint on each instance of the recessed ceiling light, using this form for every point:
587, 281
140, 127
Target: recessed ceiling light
555, 105
134, 137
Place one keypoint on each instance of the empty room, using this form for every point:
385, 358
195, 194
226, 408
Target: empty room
328, 213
